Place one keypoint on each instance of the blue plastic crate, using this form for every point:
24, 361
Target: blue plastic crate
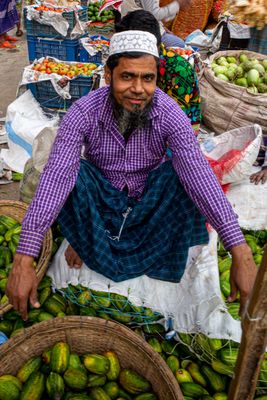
34, 28
62, 49
46, 95
85, 56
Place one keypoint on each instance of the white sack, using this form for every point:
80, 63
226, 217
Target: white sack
195, 304
24, 120
233, 153
249, 201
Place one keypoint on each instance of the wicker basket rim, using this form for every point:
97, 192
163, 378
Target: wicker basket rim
34, 334
45, 253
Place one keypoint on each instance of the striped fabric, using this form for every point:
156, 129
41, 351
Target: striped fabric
122, 238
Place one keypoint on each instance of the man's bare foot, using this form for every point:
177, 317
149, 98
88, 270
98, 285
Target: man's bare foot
72, 258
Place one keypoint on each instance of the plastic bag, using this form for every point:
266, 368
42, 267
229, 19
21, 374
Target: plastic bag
24, 120
233, 153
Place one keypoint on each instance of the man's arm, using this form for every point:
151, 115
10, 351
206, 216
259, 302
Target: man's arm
260, 176
204, 189
161, 13
56, 182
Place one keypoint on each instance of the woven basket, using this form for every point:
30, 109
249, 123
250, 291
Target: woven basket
17, 210
196, 17
95, 335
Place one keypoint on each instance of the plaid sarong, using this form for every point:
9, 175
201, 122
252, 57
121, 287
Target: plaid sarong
258, 41
121, 237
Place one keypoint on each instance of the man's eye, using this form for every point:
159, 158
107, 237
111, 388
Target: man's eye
149, 78
126, 77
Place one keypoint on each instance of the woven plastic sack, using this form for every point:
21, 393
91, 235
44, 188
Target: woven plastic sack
233, 153
226, 106
249, 202
196, 17
34, 167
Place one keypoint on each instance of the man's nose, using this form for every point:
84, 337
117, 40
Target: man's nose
137, 86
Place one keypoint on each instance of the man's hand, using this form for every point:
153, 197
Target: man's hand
22, 284
260, 176
243, 274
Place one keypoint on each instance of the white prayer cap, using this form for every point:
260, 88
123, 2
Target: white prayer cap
133, 41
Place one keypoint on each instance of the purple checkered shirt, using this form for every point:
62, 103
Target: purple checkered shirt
90, 123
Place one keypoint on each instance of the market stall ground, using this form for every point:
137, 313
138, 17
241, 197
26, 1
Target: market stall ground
12, 63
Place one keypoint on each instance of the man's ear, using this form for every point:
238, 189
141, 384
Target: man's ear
107, 75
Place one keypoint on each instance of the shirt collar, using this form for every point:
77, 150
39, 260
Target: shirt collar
106, 115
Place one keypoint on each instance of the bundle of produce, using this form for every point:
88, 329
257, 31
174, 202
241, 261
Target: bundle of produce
188, 52
257, 241
112, 306
53, 21
45, 8
94, 48
58, 84
88, 303
71, 70
207, 366
252, 13
242, 71
11, 216
100, 21
239, 85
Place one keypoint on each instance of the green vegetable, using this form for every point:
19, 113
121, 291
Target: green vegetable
241, 82
253, 77
223, 77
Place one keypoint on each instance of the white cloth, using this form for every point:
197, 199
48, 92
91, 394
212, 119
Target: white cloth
194, 304
133, 41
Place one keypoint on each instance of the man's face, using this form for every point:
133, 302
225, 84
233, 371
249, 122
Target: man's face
134, 82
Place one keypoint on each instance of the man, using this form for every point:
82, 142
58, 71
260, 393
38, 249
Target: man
125, 210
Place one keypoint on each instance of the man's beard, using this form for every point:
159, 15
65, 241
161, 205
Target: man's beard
128, 121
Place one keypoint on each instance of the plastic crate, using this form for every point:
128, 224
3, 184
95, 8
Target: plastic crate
34, 28
62, 49
46, 95
85, 56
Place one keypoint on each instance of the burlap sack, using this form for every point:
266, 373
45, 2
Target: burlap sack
226, 106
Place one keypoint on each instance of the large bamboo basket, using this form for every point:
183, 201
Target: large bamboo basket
17, 210
196, 17
95, 335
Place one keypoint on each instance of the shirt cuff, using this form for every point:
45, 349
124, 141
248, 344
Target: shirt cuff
231, 235
30, 243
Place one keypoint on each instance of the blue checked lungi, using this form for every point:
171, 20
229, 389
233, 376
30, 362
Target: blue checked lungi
121, 237
258, 41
